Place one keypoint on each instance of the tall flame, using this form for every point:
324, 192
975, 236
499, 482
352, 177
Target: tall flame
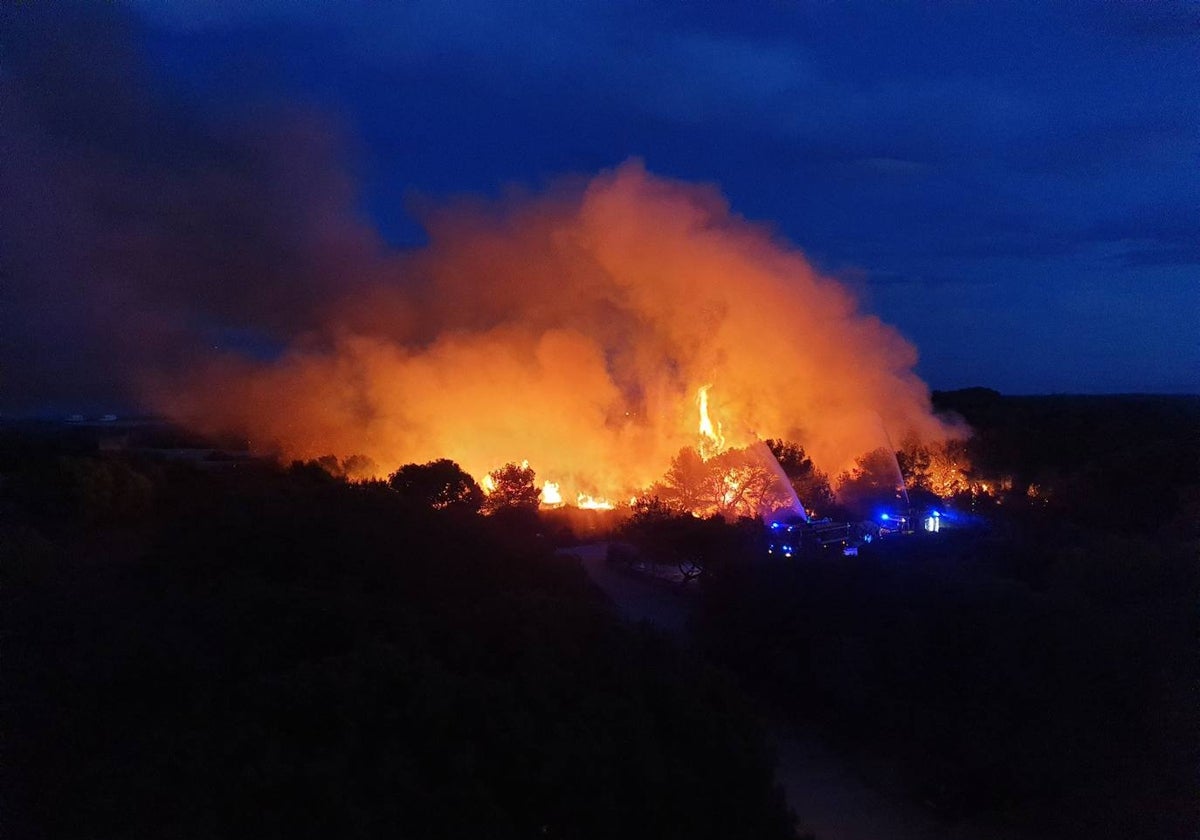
712, 441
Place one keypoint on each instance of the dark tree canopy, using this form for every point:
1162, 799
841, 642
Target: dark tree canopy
697, 546
281, 653
356, 467
689, 484
875, 479
733, 483
441, 485
810, 484
513, 486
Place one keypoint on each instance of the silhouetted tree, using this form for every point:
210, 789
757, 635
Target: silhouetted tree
747, 485
650, 509
810, 484
690, 484
321, 470
733, 483
873, 480
331, 465
513, 486
696, 546
356, 467
441, 485
359, 467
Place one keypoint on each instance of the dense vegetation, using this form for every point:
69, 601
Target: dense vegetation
1038, 670
230, 648
278, 653
1119, 464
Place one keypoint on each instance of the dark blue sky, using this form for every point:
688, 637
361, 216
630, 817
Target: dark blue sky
1016, 186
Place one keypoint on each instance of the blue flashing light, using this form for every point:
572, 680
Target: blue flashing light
935, 513
775, 525
885, 517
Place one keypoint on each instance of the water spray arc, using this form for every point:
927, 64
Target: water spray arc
768, 457
713, 441
892, 453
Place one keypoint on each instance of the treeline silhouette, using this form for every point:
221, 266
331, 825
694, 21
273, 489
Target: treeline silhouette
1124, 464
266, 652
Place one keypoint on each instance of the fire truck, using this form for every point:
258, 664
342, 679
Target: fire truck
793, 535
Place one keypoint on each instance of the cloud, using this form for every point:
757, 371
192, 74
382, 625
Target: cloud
1153, 236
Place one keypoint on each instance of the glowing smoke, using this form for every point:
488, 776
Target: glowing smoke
154, 258
575, 330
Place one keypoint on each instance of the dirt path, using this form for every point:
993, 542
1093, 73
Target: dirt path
831, 800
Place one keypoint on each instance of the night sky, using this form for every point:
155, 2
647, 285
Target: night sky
1015, 186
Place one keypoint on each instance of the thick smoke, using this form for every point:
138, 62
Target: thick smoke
574, 331
136, 235
220, 274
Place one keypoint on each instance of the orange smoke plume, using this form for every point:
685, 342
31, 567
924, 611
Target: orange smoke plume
580, 330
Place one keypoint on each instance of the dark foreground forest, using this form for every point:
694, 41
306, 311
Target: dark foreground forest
233, 648
1038, 667
283, 654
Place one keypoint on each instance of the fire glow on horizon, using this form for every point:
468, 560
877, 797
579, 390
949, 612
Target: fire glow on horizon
581, 330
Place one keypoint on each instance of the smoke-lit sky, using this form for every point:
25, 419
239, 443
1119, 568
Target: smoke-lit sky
1014, 186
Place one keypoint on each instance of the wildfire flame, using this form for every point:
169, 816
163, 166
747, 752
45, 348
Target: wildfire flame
584, 322
586, 502
551, 497
712, 441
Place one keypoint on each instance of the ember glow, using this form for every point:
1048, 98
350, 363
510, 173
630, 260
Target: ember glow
582, 330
